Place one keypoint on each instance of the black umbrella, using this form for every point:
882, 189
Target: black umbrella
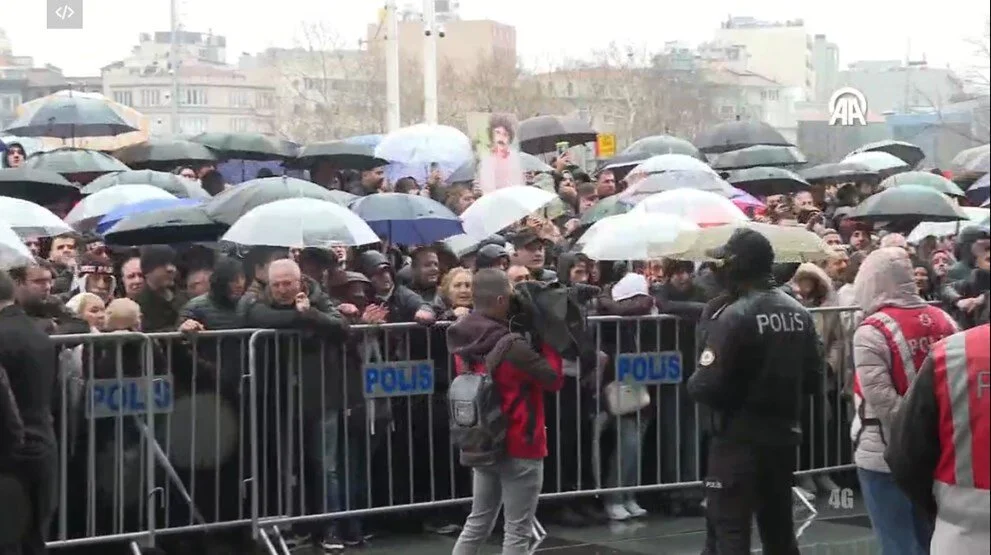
978, 192
184, 224
74, 160
839, 172
767, 181
464, 174
908, 202
233, 203
170, 182
926, 179
667, 181
734, 135
164, 151
247, 146
542, 133
38, 186
908, 152
67, 115
759, 156
341, 154
662, 144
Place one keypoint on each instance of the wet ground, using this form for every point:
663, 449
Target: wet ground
832, 532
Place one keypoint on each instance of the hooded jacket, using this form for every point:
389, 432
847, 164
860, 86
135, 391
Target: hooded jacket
965, 258
215, 309
828, 324
519, 370
884, 280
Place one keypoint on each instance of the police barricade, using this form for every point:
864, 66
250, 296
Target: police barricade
266, 429
151, 432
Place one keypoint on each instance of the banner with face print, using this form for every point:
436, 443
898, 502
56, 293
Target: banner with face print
496, 146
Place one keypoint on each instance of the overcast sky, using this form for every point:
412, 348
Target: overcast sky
546, 29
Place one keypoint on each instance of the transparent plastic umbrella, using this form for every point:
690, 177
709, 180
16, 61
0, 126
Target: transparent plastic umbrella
671, 162
791, 244
702, 208
13, 251
300, 223
28, 219
499, 209
89, 210
633, 236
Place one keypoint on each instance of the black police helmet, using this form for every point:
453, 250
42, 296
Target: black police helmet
746, 254
489, 256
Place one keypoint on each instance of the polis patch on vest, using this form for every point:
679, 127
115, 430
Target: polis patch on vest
398, 378
781, 322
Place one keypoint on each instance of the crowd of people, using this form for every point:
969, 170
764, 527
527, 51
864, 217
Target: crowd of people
80, 285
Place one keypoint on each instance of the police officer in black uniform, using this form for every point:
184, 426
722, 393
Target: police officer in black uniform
760, 359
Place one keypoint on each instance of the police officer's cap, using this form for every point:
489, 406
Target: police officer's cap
745, 247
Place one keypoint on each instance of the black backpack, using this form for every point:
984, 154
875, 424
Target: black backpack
478, 423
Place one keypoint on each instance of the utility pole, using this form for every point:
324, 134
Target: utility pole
174, 65
392, 114
429, 62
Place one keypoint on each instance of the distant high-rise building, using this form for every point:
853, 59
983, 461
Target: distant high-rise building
781, 51
213, 96
826, 64
464, 46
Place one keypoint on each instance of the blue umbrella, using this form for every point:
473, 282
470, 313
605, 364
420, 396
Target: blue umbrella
405, 219
980, 190
121, 212
414, 151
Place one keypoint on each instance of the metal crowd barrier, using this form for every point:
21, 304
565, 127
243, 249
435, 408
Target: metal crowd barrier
249, 432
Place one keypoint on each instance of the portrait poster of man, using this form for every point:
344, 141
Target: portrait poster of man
499, 163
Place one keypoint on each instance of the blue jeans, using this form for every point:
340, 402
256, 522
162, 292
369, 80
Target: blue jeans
624, 465
898, 526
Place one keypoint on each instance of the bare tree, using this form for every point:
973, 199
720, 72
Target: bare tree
325, 90
637, 93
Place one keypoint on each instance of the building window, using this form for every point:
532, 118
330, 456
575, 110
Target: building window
571, 89
769, 94
151, 97
727, 111
240, 99
9, 102
193, 97
266, 100
240, 125
191, 125
124, 97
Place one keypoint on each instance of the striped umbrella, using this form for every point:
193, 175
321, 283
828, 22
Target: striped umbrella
82, 120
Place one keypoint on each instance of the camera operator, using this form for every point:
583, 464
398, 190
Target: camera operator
760, 358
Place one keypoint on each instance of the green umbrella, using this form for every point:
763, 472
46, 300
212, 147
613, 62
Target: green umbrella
663, 144
926, 179
611, 206
67, 161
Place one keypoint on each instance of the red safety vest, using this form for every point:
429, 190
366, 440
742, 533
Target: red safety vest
910, 334
963, 390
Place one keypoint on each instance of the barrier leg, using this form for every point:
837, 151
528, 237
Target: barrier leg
135, 548
166, 465
539, 535
803, 501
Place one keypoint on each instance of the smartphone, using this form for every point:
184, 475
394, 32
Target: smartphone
562, 147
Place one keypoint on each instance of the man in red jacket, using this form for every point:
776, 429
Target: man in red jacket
479, 341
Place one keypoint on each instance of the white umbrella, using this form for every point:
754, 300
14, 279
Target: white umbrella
790, 243
300, 223
945, 229
101, 203
672, 163
702, 208
499, 209
876, 160
28, 219
630, 236
13, 251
